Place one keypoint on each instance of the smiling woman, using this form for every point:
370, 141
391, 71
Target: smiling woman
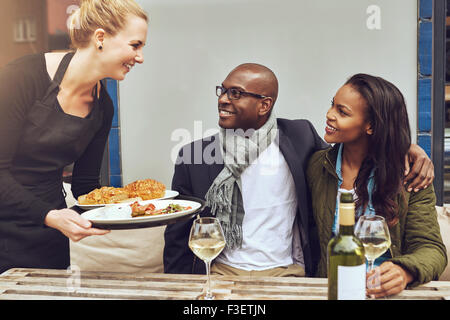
368, 122
54, 111
118, 30
346, 118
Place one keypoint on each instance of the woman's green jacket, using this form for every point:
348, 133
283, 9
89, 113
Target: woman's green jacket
416, 239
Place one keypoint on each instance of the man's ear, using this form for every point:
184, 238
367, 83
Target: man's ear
266, 106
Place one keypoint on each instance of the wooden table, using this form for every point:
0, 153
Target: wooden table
65, 284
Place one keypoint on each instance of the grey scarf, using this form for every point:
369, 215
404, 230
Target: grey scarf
224, 197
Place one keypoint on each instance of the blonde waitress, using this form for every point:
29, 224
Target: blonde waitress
55, 110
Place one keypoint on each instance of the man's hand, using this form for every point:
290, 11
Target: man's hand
421, 174
71, 224
393, 280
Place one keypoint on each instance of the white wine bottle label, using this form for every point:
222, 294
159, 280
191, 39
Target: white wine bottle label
351, 282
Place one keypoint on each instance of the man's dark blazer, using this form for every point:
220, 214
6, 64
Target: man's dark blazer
298, 140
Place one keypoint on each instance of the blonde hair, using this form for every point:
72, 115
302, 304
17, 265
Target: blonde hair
109, 15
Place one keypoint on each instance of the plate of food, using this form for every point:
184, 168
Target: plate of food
142, 214
139, 190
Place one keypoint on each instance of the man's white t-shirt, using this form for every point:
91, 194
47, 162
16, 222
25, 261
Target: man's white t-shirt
270, 205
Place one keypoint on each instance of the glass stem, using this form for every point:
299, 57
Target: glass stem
370, 264
208, 285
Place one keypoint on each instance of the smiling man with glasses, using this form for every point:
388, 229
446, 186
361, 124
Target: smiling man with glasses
262, 202
246, 97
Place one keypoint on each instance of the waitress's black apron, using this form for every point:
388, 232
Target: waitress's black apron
51, 140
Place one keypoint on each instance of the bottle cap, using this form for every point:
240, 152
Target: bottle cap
346, 197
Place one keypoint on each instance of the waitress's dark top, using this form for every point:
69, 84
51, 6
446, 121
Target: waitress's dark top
37, 140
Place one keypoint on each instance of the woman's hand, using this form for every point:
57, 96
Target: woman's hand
393, 280
421, 174
71, 224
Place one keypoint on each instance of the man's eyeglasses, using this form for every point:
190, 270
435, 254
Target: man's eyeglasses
235, 94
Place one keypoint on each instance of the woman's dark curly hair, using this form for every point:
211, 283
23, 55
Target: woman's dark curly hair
388, 145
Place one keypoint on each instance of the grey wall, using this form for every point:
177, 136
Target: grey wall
313, 46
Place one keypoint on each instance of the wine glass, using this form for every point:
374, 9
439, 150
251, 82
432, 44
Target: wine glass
206, 240
373, 232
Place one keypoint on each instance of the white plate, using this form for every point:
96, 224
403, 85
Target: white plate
169, 194
120, 214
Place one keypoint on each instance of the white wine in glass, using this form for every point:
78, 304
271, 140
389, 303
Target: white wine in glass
373, 232
207, 241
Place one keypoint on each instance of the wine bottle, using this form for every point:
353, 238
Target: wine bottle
346, 261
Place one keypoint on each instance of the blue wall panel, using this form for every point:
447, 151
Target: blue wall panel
424, 140
115, 165
424, 105
426, 9
424, 84
425, 47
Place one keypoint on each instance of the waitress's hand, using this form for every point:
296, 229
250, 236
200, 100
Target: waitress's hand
71, 224
393, 279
